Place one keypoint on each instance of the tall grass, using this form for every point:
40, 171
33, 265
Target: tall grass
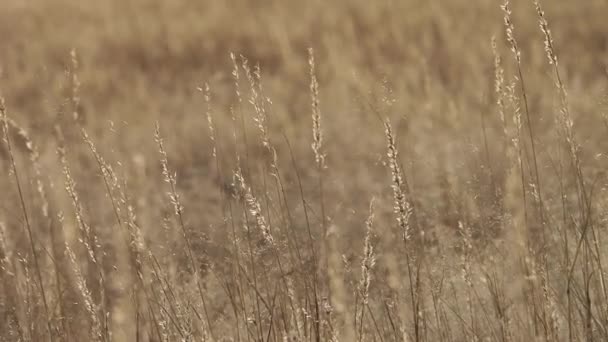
488, 230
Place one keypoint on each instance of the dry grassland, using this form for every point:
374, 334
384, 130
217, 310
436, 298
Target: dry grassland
389, 170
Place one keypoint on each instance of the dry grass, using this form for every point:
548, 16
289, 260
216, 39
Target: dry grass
303, 171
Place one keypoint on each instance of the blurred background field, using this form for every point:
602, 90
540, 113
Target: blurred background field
141, 61
426, 66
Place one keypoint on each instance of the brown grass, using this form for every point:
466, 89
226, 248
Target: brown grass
303, 171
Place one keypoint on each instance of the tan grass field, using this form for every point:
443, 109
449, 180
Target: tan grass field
390, 170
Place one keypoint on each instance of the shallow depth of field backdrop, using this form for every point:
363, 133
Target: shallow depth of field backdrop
387, 170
